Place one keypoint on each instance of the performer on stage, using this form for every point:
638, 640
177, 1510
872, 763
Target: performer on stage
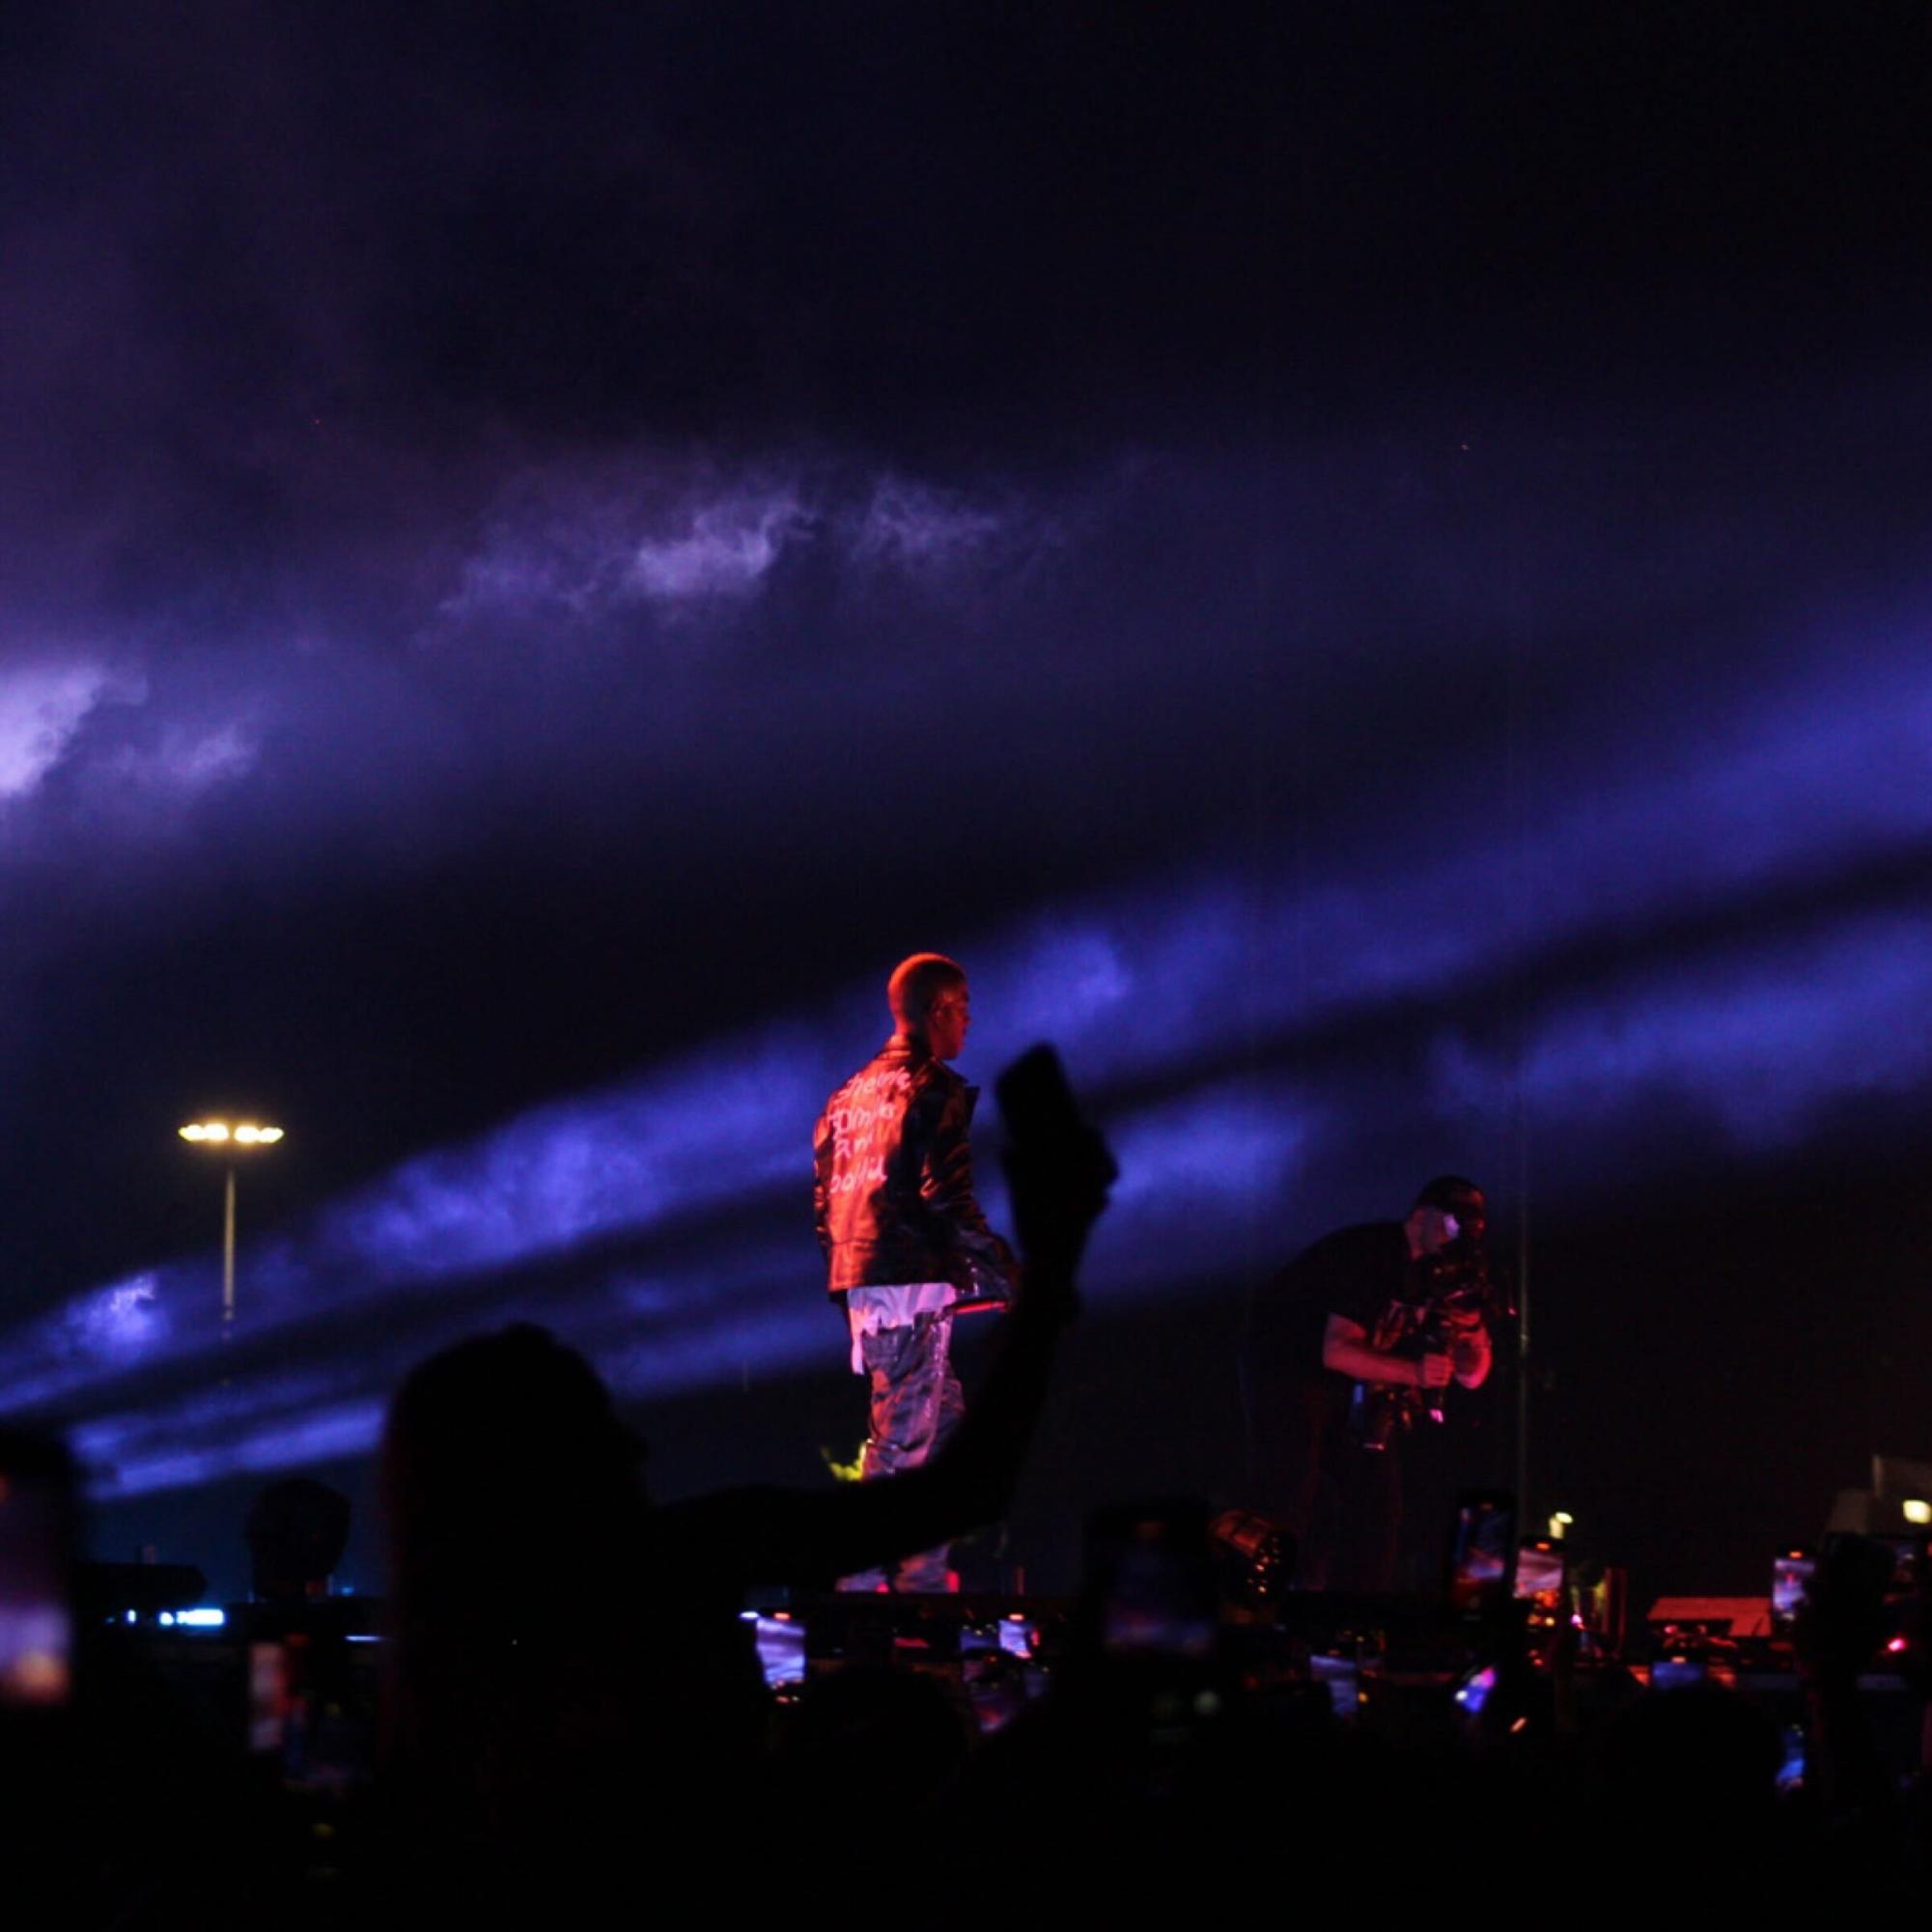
1350, 1348
904, 1238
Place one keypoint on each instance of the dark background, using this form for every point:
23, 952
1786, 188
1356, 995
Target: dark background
541, 540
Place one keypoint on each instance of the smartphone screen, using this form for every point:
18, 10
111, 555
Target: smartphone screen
1473, 1692
267, 1697
1482, 1551
1907, 1554
1539, 1574
1342, 1679
35, 1558
1791, 1769
1790, 1580
1155, 1582
1678, 1673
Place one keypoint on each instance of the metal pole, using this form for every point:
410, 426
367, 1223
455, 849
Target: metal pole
1524, 1519
228, 1258
1518, 784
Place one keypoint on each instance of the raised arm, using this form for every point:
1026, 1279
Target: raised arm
1472, 1353
1345, 1350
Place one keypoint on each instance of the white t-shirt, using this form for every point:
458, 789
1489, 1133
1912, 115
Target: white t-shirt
892, 1306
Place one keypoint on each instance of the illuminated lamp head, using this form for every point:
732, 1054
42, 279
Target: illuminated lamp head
930, 1002
1447, 1208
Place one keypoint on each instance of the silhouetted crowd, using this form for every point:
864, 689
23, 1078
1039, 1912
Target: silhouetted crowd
564, 1721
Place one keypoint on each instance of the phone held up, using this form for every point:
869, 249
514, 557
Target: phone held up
37, 1539
1482, 1553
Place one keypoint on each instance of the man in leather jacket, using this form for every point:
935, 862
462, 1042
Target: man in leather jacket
906, 1244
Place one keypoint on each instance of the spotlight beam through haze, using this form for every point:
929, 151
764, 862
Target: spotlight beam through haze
1783, 1013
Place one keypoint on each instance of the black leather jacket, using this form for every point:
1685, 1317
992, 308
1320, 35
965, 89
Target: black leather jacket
894, 1191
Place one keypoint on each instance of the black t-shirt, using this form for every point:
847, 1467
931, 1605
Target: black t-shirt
1357, 1273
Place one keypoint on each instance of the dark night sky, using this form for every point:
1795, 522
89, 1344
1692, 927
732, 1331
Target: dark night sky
537, 538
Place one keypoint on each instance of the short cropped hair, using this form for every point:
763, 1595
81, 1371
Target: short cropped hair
918, 982
1448, 1192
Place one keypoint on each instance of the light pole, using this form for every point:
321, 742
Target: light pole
243, 1136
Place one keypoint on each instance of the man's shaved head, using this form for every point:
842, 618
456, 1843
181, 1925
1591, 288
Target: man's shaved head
1451, 1193
915, 984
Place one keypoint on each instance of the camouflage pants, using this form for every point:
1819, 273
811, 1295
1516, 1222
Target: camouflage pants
916, 1404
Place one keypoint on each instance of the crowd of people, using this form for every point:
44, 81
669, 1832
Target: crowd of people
570, 1724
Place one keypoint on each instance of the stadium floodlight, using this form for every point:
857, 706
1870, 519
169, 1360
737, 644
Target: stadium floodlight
230, 1137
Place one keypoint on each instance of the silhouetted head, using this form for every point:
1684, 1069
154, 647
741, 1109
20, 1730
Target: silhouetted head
519, 1694
298, 1529
504, 1465
930, 1002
